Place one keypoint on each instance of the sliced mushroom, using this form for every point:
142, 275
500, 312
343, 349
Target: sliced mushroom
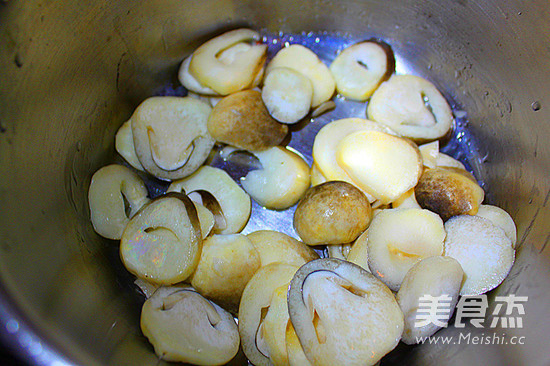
444, 160
146, 287
170, 135
242, 120
162, 242
206, 219
274, 247
255, 304
430, 153
380, 208
185, 327
234, 202
332, 213
482, 249
449, 192
214, 100
294, 350
381, 164
202, 98
281, 182
226, 265
342, 314
399, 238
433, 158
411, 106
234, 72
316, 176
434, 276
500, 218
274, 326
359, 69
208, 201
124, 145
327, 141
406, 200
287, 94
189, 81
230, 55
339, 251
304, 61
325, 107
359, 253
115, 195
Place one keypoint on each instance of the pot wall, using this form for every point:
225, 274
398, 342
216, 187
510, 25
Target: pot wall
72, 72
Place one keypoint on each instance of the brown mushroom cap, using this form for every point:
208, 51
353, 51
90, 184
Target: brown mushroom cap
242, 120
332, 213
449, 192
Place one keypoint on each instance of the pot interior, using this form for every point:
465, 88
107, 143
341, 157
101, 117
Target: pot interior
72, 73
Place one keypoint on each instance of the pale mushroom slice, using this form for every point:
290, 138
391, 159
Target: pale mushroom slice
438, 277
316, 176
206, 219
234, 202
282, 181
255, 304
342, 314
229, 56
430, 153
326, 143
449, 192
171, 135
214, 100
482, 249
226, 265
381, 164
399, 238
205, 199
339, 251
444, 160
500, 218
332, 213
287, 94
433, 158
274, 327
115, 195
236, 71
359, 253
304, 61
273, 247
202, 98
162, 242
183, 326
411, 106
190, 82
124, 145
146, 287
376, 210
294, 350
242, 120
360, 68
406, 200
325, 107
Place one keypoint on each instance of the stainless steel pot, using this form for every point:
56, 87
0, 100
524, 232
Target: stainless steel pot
72, 71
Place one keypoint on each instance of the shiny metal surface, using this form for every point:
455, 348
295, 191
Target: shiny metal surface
72, 72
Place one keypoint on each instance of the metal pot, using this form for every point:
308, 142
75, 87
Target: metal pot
72, 72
